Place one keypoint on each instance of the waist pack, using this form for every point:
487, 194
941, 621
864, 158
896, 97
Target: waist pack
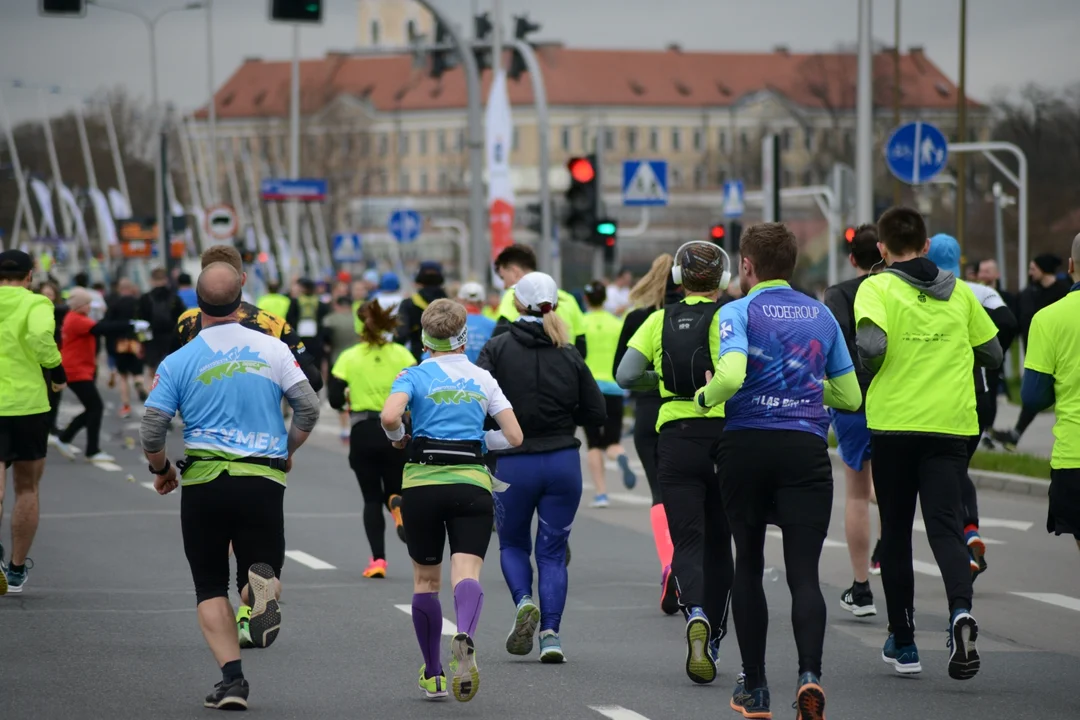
428, 451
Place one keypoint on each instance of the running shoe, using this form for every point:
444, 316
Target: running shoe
125, 412
141, 390
987, 443
976, 551
3, 572
600, 501
520, 639
669, 592
243, 629
265, 621
434, 687
394, 505
810, 698
751, 703
466, 681
1008, 439
875, 559
229, 696
859, 600
375, 569
904, 659
16, 579
550, 648
101, 457
629, 479
700, 663
67, 449
345, 435
964, 658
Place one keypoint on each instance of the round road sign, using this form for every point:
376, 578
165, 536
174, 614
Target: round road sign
221, 222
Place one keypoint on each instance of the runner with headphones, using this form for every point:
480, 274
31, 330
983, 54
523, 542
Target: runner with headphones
676, 350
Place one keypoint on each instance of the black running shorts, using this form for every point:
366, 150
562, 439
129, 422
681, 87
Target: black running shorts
431, 512
610, 433
129, 364
24, 438
1063, 517
249, 512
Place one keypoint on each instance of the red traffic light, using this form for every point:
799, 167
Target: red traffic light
849, 234
581, 170
610, 242
716, 232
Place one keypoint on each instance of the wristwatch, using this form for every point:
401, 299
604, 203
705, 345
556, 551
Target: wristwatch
163, 470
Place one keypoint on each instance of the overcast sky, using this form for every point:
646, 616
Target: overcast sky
1009, 43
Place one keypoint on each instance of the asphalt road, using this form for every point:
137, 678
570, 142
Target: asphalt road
106, 627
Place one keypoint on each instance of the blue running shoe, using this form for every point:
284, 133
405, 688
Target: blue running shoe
904, 659
3, 572
809, 698
629, 479
700, 664
551, 648
16, 579
751, 703
964, 658
600, 501
520, 639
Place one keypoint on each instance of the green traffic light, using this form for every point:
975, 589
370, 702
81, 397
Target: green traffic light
312, 7
606, 228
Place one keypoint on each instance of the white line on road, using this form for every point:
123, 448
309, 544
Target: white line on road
448, 628
310, 560
109, 466
149, 486
1020, 525
925, 568
621, 496
1069, 603
779, 535
920, 526
617, 712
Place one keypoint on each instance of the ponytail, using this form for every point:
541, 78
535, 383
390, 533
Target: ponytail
556, 329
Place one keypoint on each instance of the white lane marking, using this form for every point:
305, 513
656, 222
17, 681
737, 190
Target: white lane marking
925, 568
448, 628
1009, 524
635, 465
617, 712
1069, 603
920, 526
310, 560
149, 486
779, 535
110, 466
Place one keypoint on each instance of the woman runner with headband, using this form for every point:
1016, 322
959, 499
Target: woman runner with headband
551, 386
447, 488
362, 376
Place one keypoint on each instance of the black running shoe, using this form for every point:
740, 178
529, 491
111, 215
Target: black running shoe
265, 622
669, 592
859, 600
875, 559
568, 555
231, 696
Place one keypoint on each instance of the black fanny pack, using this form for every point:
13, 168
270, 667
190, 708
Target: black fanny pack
428, 451
272, 463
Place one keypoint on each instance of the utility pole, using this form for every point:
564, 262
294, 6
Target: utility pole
897, 187
864, 127
961, 133
296, 262
212, 108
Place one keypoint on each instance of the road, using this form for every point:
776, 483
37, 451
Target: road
106, 627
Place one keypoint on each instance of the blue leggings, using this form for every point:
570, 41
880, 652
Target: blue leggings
548, 484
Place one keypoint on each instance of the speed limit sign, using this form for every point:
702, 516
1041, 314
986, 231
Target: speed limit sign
221, 222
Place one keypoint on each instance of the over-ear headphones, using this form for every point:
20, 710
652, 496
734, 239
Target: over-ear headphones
725, 276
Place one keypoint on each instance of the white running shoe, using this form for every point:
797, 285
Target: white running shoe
101, 457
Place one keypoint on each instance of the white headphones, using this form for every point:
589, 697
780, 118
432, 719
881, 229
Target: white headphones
725, 276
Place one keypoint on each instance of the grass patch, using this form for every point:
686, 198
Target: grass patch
1012, 463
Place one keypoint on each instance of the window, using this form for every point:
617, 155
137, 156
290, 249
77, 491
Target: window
700, 177
422, 144
631, 139
384, 145
785, 140
403, 143
697, 139
808, 139
586, 146
786, 181
721, 177
721, 141
564, 139
676, 177
609, 139
515, 142
384, 182
403, 182
654, 139
744, 141
461, 140
375, 32
410, 30
346, 144
676, 139
440, 142
423, 182
444, 181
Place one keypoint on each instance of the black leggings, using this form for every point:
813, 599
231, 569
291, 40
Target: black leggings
645, 440
89, 418
378, 466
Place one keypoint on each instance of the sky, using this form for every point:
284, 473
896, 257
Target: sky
1009, 43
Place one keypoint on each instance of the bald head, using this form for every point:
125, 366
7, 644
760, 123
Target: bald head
219, 284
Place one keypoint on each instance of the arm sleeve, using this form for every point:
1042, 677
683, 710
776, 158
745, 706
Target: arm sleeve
581, 346
41, 335
304, 403
729, 377
335, 392
843, 392
872, 343
1037, 391
989, 354
634, 372
1006, 324
154, 430
633, 321
592, 408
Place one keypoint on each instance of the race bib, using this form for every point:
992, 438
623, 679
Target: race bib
307, 328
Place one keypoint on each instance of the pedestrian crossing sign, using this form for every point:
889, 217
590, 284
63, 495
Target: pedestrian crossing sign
645, 183
347, 248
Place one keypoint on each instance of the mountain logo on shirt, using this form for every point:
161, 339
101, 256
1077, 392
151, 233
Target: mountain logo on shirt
226, 364
463, 390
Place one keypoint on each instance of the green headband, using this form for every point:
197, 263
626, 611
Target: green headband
446, 344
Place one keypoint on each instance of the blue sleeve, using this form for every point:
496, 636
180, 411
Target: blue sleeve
163, 394
733, 328
838, 362
403, 383
1037, 390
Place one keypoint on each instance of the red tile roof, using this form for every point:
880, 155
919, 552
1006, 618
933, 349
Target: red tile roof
573, 77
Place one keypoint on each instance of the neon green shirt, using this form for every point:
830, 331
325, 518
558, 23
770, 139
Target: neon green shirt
275, 304
370, 371
648, 341
1054, 349
27, 344
568, 309
602, 330
924, 384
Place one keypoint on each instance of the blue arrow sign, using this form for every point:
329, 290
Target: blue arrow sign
404, 225
645, 183
916, 152
348, 248
303, 190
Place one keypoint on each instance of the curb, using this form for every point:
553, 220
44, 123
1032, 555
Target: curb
988, 480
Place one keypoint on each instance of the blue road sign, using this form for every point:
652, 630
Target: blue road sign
347, 248
644, 183
916, 152
404, 225
734, 198
304, 189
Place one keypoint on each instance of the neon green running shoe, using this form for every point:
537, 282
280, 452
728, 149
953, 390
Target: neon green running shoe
243, 627
434, 687
466, 680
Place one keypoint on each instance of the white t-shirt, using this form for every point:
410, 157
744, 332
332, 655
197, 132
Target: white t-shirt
618, 298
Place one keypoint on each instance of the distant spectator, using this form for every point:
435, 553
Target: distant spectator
1044, 289
186, 292
618, 293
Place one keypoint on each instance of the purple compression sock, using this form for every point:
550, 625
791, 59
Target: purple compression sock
427, 621
468, 601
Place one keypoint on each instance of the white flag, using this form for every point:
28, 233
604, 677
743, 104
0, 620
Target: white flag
120, 208
105, 225
499, 128
44, 199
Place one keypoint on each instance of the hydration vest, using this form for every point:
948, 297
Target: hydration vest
685, 346
309, 307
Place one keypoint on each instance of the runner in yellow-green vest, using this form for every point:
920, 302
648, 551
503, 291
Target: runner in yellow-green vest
514, 263
306, 315
429, 282
273, 301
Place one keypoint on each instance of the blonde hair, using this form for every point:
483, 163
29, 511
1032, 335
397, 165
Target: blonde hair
651, 289
555, 327
443, 319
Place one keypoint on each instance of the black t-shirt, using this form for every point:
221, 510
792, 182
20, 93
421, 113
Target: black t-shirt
840, 299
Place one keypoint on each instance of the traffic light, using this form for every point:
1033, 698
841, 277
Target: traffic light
581, 199
849, 234
482, 27
717, 233
606, 234
442, 60
296, 11
734, 235
522, 28
62, 8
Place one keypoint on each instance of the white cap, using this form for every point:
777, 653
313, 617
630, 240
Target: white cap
536, 290
471, 292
